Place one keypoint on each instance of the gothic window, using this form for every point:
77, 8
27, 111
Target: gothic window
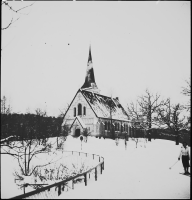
117, 126
84, 110
74, 112
108, 125
105, 125
79, 109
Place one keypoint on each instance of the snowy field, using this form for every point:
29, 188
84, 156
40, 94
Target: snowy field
136, 173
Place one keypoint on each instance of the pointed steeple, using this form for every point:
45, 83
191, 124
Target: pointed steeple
89, 78
90, 57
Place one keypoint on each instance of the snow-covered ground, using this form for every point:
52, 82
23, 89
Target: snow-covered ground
138, 173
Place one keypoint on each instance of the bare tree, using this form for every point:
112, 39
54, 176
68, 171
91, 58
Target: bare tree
15, 11
63, 131
148, 106
187, 92
5, 109
171, 117
62, 137
25, 151
5, 117
39, 112
28, 154
63, 110
86, 133
133, 112
144, 112
136, 116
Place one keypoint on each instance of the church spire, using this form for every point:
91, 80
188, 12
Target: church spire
89, 78
90, 57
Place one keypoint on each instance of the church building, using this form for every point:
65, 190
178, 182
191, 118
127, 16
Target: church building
100, 115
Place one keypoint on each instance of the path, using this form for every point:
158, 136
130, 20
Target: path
137, 173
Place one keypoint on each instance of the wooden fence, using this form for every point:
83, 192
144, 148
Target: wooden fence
60, 186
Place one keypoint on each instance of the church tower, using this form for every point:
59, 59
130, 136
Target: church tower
90, 84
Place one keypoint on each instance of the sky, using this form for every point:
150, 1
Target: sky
135, 46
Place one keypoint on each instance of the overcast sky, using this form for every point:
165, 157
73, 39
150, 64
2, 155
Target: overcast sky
134, 45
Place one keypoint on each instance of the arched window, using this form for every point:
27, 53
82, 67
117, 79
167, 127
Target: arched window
84, 110
117, 126
79, 109
108, 125
121, 127
74, 112
105, 125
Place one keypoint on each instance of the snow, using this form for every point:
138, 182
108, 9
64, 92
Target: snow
6, 139
100, 105
128, 172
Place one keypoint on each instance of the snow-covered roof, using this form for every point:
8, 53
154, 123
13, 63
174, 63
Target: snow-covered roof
103, 106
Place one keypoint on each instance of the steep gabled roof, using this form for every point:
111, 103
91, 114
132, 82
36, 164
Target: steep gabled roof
70, 104
104, 106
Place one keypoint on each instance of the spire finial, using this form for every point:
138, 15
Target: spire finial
90, 57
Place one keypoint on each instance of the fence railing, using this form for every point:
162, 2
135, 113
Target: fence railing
62, 184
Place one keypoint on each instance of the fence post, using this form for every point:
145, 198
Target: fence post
72, 185
59, 190
85, 175
95, 173
101, 168
103, 165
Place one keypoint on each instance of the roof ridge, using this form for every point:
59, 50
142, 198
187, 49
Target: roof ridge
97, 94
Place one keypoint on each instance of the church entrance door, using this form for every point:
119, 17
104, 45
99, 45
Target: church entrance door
77, 132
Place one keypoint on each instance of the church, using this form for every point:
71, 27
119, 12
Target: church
100, 115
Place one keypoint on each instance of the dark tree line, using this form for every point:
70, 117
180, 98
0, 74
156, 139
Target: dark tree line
30, 126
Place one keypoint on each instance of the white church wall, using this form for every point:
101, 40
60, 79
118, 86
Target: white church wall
89, 119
